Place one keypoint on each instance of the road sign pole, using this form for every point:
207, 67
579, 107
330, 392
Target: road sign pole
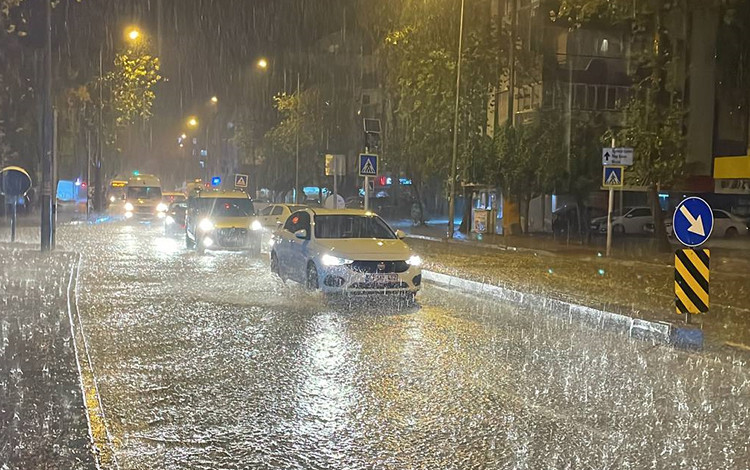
610, 208
367, 193
13, 219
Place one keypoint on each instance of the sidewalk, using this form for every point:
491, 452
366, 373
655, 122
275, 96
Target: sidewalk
42, 418
633, 283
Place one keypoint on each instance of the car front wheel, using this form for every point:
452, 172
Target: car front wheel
312, 276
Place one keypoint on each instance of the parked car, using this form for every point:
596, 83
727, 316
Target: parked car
726, 225
632, 221
566, 218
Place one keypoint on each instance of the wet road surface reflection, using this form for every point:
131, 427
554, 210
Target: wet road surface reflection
212, 362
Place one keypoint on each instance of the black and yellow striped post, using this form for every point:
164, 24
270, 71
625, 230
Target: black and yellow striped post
691, 274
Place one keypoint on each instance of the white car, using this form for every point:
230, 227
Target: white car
632, 220
726, 225
276, 214
345, 251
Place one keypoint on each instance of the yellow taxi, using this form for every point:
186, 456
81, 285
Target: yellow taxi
222, 220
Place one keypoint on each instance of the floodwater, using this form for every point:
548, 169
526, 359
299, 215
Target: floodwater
212, 362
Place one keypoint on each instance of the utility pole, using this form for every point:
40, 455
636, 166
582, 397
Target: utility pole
512, 61
47, 138
98, 186
454, 158
296, 159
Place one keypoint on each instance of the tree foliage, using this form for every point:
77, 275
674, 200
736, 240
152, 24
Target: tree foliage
419, 53
132, 82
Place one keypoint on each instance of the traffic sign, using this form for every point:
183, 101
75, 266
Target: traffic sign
693, 221
613, 177
622, 156
368, 164
14, 181
240, 180
691, 274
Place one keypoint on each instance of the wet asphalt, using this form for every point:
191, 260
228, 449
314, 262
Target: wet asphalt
213, 362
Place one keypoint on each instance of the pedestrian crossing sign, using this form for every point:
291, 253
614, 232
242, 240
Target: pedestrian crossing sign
613, 177
240, 181
368, 164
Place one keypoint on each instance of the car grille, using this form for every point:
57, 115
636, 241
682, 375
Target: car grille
232, 237
379, 266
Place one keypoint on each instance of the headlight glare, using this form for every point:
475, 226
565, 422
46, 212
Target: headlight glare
162, 207
129, 206
414, 260
330, 260
256, 225
205, 225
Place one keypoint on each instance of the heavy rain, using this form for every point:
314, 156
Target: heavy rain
338, 234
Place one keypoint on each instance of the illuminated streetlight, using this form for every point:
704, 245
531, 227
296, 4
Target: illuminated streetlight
183, 136
262, 63
133, 34
192, 122
214, 99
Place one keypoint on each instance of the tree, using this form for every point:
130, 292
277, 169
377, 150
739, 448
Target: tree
303, 117
419, 55
654, 117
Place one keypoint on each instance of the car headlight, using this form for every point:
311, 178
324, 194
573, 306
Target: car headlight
129, 206
111, 199
256, 225
162, 207
330, 260
414, 260
205, 225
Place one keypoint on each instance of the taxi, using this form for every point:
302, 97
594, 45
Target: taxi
222, 220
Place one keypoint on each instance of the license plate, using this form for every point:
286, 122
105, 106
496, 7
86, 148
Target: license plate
381, 278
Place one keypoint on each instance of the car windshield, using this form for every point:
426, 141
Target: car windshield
226, 207
144, 192
352, 226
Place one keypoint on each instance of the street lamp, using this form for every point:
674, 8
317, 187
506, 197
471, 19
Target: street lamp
133, 34
192, 122
214, 99
452, 199
262, 63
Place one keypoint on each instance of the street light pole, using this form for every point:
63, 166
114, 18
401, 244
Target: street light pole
452, 198
47, 222
296, 159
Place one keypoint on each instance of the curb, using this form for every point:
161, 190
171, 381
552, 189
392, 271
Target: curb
644, 330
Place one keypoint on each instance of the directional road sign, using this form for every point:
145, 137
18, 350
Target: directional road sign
368, 164
240, 181
617, 156
691, 273
613, 177
693, 221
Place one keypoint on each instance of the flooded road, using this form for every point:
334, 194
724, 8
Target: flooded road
212, 362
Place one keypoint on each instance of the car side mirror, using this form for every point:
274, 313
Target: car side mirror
400, 234
301, 234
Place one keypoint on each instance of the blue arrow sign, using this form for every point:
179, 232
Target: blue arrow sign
693, 221
368, 164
